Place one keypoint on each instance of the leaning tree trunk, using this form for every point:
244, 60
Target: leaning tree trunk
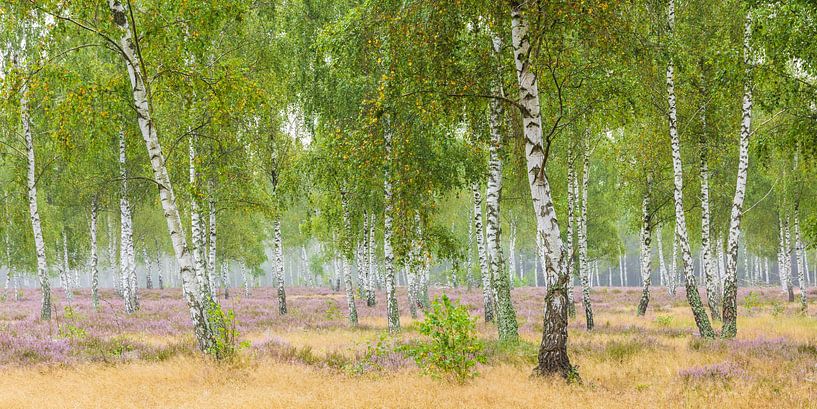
485, 273
694, 298
730, 288
506, 316
348, 259
584, 266
552, 358
279, 268
198, 303
127, 266
34, 213
646, 259
392, 313
94, 257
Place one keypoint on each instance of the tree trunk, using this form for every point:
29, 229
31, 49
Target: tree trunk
34, 213
646, 259
798, 254
469, 252
279, 267
388, 252
552, 357
730, 307
347, 259
707, 264
370, 295
694, 298
94, 257
506, 316
127, 264
584, 266
196, 223
572, 199
211, 256
198, 303
787, 260
66, 268
662, 265
485, 273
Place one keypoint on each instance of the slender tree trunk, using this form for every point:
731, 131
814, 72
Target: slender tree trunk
279, 268
469, 253
66, 268
694, 298
370, 295
211, 257
787, 260
798, 254
159, 275
245, 280
730, 305
552, 357
646, 259
197, 303
347, 259
584, 266
196, 222
506, 315
485, 273
34, 213
94, 257
148, 273
127, 269
388, 252
707, 265
570, 250
662, 265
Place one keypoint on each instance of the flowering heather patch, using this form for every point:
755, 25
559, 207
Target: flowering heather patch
723, 371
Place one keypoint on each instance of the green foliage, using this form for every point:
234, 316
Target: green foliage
454, 349
751, 301
226, 346
333, 311
70, 328
663, 321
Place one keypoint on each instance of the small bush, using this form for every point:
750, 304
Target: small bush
751, 301
664, 321
226, 346
70, 329
454, 349
332, 312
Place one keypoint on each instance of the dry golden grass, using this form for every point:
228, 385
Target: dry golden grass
628, 362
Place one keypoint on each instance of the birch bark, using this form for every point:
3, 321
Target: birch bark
197, 303
94, 257
347, 259
693, 297
584, 267
485, 273
552, 357
730, 307
646, 259
392, 313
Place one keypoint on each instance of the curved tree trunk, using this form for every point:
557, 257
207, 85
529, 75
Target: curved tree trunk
552, 357
198, 303
693, 297
506, 315
730, 290
34, 213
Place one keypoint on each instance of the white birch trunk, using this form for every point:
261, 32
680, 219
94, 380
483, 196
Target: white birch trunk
211, 257
694, 298
347, 259
66, 268
801, 269
370, 297
126, 269
197, 224
585, 273
553, 358
485, 273
94, 257
198, 303
392, 313
646, 259
34, 213
279, 268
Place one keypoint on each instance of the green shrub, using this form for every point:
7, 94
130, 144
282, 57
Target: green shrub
777, 308
226, 345
454, 349
663, 321
751, 301
70, 329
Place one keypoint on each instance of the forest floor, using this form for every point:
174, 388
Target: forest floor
313, 358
